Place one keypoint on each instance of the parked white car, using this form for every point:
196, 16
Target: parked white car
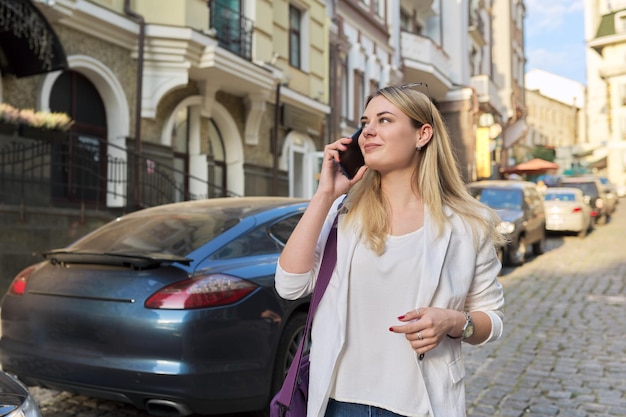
567, 211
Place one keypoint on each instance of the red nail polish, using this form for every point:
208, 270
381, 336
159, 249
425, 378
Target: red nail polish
400, 317
391, 329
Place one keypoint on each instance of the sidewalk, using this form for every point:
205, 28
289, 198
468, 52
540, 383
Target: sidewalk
563, 351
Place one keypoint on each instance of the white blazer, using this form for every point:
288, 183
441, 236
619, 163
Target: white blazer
456, 275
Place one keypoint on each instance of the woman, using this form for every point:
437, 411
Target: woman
416, 271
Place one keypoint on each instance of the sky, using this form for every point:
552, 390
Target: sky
555, 37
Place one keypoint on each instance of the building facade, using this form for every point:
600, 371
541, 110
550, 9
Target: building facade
557, 120
605, 35
238, 97
222, 93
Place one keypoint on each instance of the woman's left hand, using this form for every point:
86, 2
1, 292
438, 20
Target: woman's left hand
425, 327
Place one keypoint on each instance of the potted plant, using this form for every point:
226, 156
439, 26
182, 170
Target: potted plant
44, 125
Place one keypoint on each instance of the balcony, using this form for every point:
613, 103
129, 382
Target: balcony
487, 92
477, 29
609, 70
424, 61
232, 29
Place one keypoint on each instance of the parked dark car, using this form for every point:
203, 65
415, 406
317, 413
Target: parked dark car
610, 191
593, 190
15, 399
172, 309
520, 207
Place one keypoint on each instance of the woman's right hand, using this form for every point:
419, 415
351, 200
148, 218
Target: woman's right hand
332, 180
298, 256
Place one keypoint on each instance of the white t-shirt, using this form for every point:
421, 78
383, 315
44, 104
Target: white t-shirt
378, 367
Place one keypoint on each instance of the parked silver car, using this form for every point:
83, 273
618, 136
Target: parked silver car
15, 399
567, 211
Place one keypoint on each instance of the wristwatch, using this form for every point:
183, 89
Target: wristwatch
468, 329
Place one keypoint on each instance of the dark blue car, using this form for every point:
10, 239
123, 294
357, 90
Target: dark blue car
171, 309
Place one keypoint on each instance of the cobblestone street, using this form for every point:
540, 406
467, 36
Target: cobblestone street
564, 348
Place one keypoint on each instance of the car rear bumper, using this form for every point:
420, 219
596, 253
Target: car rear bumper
565, 224
198, 390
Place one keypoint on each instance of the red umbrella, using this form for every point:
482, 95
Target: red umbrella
534, 166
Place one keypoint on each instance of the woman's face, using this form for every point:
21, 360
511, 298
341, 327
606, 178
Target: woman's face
389, 139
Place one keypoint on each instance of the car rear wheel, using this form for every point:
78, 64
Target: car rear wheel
287, 349
517, 252
539, 246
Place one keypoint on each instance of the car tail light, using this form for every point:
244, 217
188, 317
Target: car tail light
577, 210
18, 286
198, 292
594, 213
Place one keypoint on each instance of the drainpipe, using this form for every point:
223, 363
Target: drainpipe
142, 35
275, 140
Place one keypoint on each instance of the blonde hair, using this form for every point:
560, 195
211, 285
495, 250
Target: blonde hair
436, 179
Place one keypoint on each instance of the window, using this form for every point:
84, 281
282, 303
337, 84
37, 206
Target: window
295, 37
500, 198
233, 29
345, 93
405, 21
377, 7
255, 243
180, 145
282, 229
374, 86
359, 94
620, 23
216, 159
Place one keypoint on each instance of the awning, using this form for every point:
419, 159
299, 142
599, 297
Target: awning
592, 162
534, 166
28, 44
514, 132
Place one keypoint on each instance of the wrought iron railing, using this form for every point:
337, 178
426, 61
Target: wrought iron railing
232, 29
80, 171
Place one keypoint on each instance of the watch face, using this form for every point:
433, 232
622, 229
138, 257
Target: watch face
468, 331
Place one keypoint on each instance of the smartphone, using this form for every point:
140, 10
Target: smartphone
351, 159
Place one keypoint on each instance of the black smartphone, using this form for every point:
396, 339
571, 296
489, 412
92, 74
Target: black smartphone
351, 159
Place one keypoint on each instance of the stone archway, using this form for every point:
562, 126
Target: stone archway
233, 151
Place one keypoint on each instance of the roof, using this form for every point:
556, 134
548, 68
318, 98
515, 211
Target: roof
565, 180
556, 87
563, 190
607, 25
501, 184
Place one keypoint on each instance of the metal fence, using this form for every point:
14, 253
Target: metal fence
80, 171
